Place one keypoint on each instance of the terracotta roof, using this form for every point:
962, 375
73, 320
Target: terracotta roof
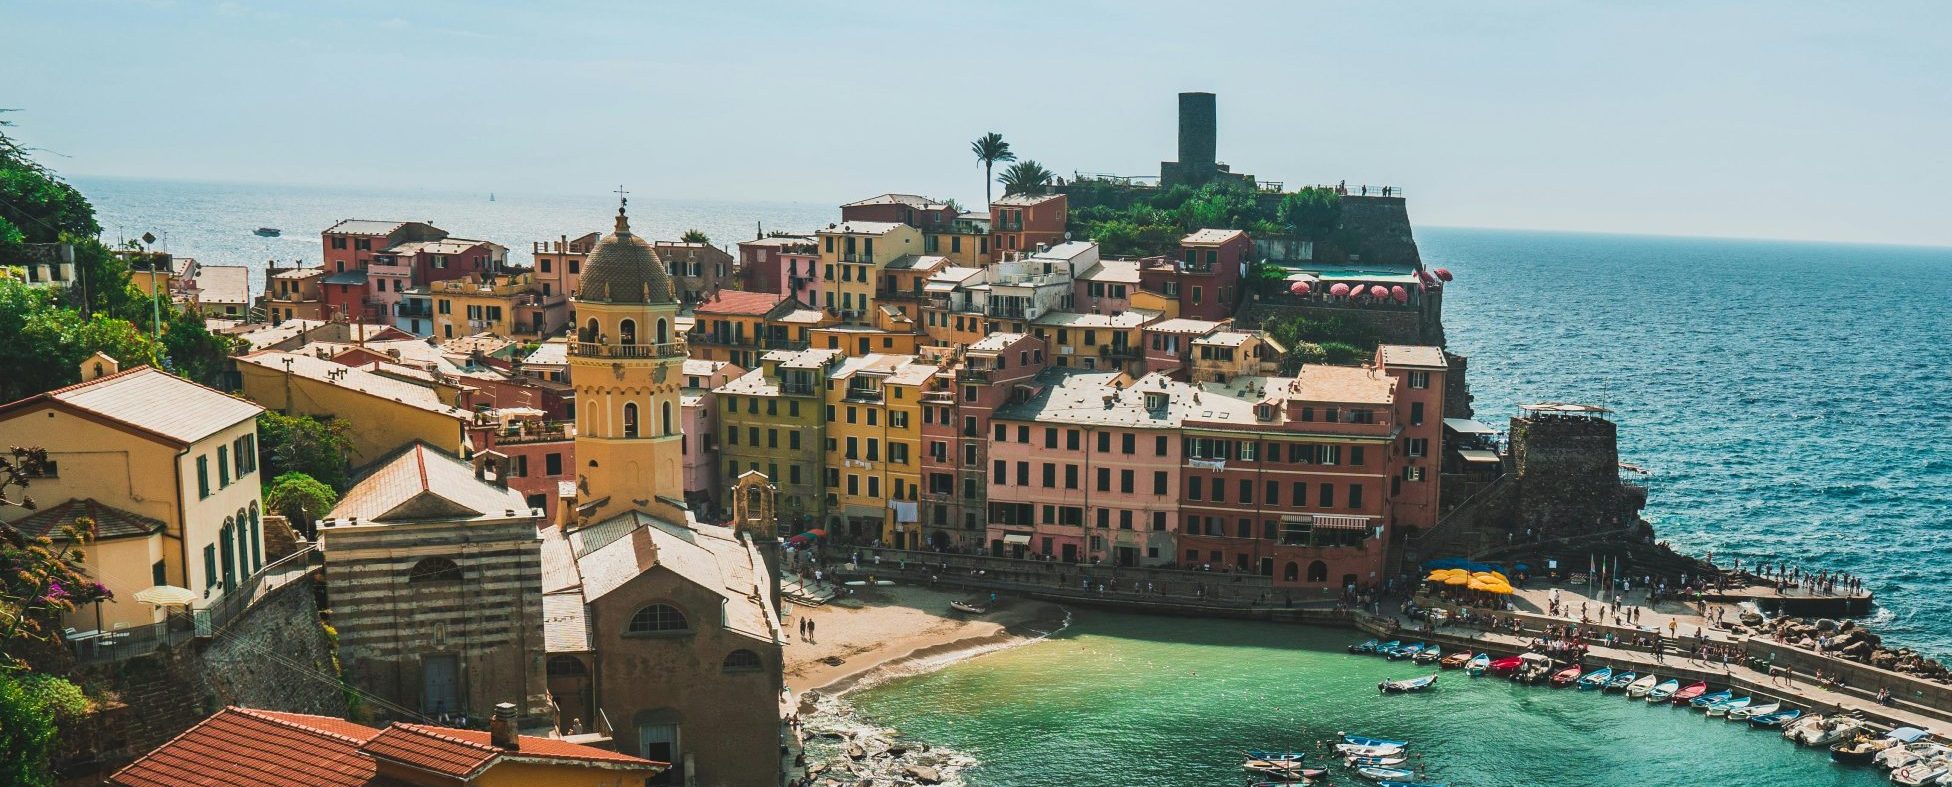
421, 482
739, 302
465, 753
110, 522
149, 400
240, 746
911, 200
1022, 200
353, 379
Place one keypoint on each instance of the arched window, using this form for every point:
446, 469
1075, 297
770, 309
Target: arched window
662, 332
1318, 571
567, 667
667, 420
627, 332
434, 569
590, 331
228, 549
257, 540
243, 546
630, 419
1292, 572
657, 618
740, 660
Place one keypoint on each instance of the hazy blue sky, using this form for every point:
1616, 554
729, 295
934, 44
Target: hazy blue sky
1768, 119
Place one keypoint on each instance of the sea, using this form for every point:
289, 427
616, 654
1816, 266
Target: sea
1789, 402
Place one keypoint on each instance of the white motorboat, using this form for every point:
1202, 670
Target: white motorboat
1639, 688
1922, 772
1808, 720
1752, 711
1836, 730
1900, 756
1354, 750
1730, 706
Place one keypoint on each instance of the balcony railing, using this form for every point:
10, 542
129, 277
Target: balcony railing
598, 350
797, 389
1120, 351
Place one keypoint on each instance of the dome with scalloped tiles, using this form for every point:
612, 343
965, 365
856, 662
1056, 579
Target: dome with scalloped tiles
623, 268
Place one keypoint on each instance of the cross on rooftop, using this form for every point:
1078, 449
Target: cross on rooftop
623, 197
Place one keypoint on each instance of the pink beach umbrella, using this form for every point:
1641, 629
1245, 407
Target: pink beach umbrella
1299, 288
1378, 291
1443, 273
1338, 289
1401, 295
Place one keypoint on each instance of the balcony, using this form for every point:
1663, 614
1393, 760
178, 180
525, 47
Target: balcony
864, 394
977, 375
596, 350
798, 389
1120, 351
938, 397
423, 311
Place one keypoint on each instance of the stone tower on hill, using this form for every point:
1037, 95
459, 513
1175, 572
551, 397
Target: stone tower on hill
626, 364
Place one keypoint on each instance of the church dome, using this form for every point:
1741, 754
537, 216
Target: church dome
623, 268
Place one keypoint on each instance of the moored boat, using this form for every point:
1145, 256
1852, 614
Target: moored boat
1690, 693
1922, 772
1456, 660
1386, 774
1386, 647
1378, 762
1620, 681
1364, 740
1724, 707
1860, 750
268, 232
1407, 651
1567, 676
1430, 655
1752, 711
1664, 691
1368, 646
1773, 720
1640, 687
1357, 750
1533, 668
1409, 685
1276, 756
1596, 678
1702, 702
1506, 666
1394, 783
1279, 769
1910, 752
1477, 665
973, 607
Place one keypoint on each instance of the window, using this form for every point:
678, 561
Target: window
1159, 483
1194, 487
1246, 491
1328, 496
1104, 479
203, 477
657, 618
209, 567
630, 421
552, 465
1416, 446
1050, 437
223, 466
1355, 495
740, 660
1416, 413
1413, 474
1355, 455
1159, 445
999, 472
793, 439
1023, 474
434, 569
1105, 442
1419, 379
1050, 475
1158, 520
1125, 481
1128, 443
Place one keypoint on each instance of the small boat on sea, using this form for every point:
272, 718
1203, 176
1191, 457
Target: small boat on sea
1431, 654
1405, 686
1386, 647
1662, 693
1364, 740
1620, 681
1725, 707
1506, 666
1375, 762
1276, 756
268, 232
1686, 695
1911, 752
1477, 665
1860, 750
1533, 668
971, 607
1567, 676
1386, 774
1407, 651
1639, 688
1368, 646
1280, 769
1359, 750
1394, 783
1702, 702
1769, 721
1457, 660
1819, 730
1752, 711
1596, 679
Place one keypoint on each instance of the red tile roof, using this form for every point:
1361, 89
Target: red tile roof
110, 522
463, 753
741, 302
240, 746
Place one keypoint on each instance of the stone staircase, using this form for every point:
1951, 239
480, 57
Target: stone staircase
804, 592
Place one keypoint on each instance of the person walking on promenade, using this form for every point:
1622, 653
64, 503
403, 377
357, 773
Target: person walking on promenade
809, 629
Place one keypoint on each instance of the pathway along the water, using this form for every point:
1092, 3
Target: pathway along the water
1126, 699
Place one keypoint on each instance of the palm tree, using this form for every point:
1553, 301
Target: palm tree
991, 150
1025, 177
695, 236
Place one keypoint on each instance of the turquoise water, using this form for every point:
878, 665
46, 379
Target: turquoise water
1123, 700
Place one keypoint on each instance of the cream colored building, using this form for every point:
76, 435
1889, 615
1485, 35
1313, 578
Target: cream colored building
852, 257
168, 469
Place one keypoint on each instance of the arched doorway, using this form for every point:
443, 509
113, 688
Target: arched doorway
627, 332
1318, 571
569, 686
1292, 572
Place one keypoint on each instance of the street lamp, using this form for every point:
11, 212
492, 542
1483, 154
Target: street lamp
155, 307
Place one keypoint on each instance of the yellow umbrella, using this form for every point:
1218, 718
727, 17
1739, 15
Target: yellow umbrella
1456, 579
1477, 584
1436, 576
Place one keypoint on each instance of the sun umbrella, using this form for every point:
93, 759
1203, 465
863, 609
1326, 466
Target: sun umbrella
1338, 289
1378, 291
1457, 579
167, 596
1401, 295
1443, 273
1299, 288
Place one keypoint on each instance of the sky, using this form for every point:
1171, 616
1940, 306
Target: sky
1778, 119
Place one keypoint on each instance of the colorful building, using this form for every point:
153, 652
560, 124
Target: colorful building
701, 429
1205, 277
874, 459
1019, 223
773, 419
732, 327
852, 255
782, 264
956, 411
382, 413
293, 294
697, 269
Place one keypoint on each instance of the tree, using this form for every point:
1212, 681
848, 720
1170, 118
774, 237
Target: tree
40, 578
695, 236
29, 707
990, 149
303, 444
42, 342
1026, 177
196, 353
300, 498
35, 205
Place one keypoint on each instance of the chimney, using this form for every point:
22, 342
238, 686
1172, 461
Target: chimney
501, 728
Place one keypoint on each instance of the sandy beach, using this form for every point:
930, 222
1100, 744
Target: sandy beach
896, 624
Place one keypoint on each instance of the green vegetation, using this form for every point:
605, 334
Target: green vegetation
1131, 221
319, 450
991, 150
36, 206
1026, 177
300, 498
31, 709
695, 236
40, 577
1330, 340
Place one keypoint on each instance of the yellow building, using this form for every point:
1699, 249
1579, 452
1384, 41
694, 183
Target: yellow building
874, 433
1096, 341
382, 413
852, 257
167, 468
497, 305
627, 364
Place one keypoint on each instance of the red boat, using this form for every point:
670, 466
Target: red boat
1692, 691
1566, 676
1506, 666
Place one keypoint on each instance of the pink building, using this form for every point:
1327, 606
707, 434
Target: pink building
701, 429
1106, 288
1169, 343
956, 412
1087, 469
783, 265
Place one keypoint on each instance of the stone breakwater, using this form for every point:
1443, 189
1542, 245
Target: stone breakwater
1847, 640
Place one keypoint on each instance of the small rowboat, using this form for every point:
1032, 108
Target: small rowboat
1724, 707
1620, 681
1430, 655
1752, 711
1386, 647
1364, 740
1477, 665
1565, 677
1456, 660
1404, 686
1688, 694
1596, 679
1354, 750
1368, 646
1663, 692
970, 607
1506, 666
1639, 688
1395, 783
1704, 701
1777, 719
1277, 769
1386, 774
1407, 651
1276, 756
1375, 762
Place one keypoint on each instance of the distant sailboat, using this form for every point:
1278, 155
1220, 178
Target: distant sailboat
491, 196
269, 232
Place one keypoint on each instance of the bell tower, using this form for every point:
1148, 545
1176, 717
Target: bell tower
627, 363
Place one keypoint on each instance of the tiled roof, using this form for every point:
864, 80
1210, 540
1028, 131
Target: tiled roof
355, 379
1209, 237
911, 200
1022, 200
1413, 355
150, 400
565, 626
364, 227
224, 284
110, 522
463, 753
740, 302
611, 553
420, 482
239, 746
1119, 271
1100, 398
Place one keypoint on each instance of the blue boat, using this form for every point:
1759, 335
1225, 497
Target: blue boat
1363, 740
1277, 756
1478, 665
1366, 647
1407, 651
1596, 678
1620, 681
1387, 647
1706, 700
1773, 720
1395, 783
1386, 774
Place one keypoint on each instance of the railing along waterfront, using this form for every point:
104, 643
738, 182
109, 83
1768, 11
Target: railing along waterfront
600, 350
1086, 581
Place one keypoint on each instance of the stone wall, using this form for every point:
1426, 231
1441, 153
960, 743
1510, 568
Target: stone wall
1390, 325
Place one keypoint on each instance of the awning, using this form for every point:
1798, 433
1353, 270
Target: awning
1016, 538
858, 511
1341, 522
1475, 455
1467, 426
